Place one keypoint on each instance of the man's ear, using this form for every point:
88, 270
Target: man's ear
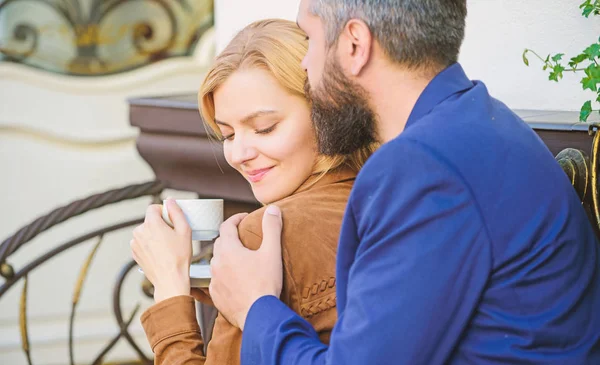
357, 46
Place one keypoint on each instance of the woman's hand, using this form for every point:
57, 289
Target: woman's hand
164, 253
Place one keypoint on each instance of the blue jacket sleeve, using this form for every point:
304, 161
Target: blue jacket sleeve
417, 274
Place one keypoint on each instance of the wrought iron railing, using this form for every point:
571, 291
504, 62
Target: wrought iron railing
13, 275
583, 173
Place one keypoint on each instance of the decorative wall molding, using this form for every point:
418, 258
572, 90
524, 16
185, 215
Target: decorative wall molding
165, 69
65, 139
96, 85
87, 112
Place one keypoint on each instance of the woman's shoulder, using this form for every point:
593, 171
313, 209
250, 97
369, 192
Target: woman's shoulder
318, 204
253, 222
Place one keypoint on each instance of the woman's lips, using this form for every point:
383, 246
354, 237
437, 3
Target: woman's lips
257, 175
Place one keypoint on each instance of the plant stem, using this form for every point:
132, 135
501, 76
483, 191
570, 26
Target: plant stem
550, 63
537, 55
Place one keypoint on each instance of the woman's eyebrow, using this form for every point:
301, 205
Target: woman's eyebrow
249, 117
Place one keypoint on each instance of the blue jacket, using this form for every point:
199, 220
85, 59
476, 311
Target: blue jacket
463, 243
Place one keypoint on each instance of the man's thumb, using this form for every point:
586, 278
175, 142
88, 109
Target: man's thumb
272, 225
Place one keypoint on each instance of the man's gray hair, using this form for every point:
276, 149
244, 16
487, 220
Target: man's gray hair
415, 33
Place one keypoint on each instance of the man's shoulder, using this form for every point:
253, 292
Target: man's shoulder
397, 160
466, 143
468, 134
403, 171
470, 124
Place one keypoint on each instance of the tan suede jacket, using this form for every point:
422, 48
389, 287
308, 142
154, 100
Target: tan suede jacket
312, 217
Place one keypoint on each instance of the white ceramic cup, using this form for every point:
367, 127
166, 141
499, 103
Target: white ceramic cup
200, 275
203, 215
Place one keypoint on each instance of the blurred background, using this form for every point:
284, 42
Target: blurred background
76, 74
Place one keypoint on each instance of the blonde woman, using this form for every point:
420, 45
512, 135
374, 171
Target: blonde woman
254, 100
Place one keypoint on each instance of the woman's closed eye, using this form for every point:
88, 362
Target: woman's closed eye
266, 130
225, 137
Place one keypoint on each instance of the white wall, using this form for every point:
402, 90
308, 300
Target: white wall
233, 15
497, 32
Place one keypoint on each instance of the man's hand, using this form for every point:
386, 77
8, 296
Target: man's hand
240, 276
164, 253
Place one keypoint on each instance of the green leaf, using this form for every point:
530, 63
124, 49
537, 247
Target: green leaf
586, 110
592, 51
557, 73
557, 57
589, 83
587, 8
593, 71
577, 60
525, 60
593, 77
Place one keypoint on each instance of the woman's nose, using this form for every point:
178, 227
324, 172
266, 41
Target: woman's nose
242, 150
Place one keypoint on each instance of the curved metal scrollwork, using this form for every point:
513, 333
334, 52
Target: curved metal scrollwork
576, 165
23, 34
24, 235
583, 174
593, 131
172, 31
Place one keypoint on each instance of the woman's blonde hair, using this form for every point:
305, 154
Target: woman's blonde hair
278, 46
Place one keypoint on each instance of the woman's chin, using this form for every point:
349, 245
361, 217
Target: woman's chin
265, 201
266, 197
274, 191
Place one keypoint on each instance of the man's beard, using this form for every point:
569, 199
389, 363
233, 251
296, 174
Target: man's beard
343, 120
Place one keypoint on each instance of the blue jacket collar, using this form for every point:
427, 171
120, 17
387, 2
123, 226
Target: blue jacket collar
448, 82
